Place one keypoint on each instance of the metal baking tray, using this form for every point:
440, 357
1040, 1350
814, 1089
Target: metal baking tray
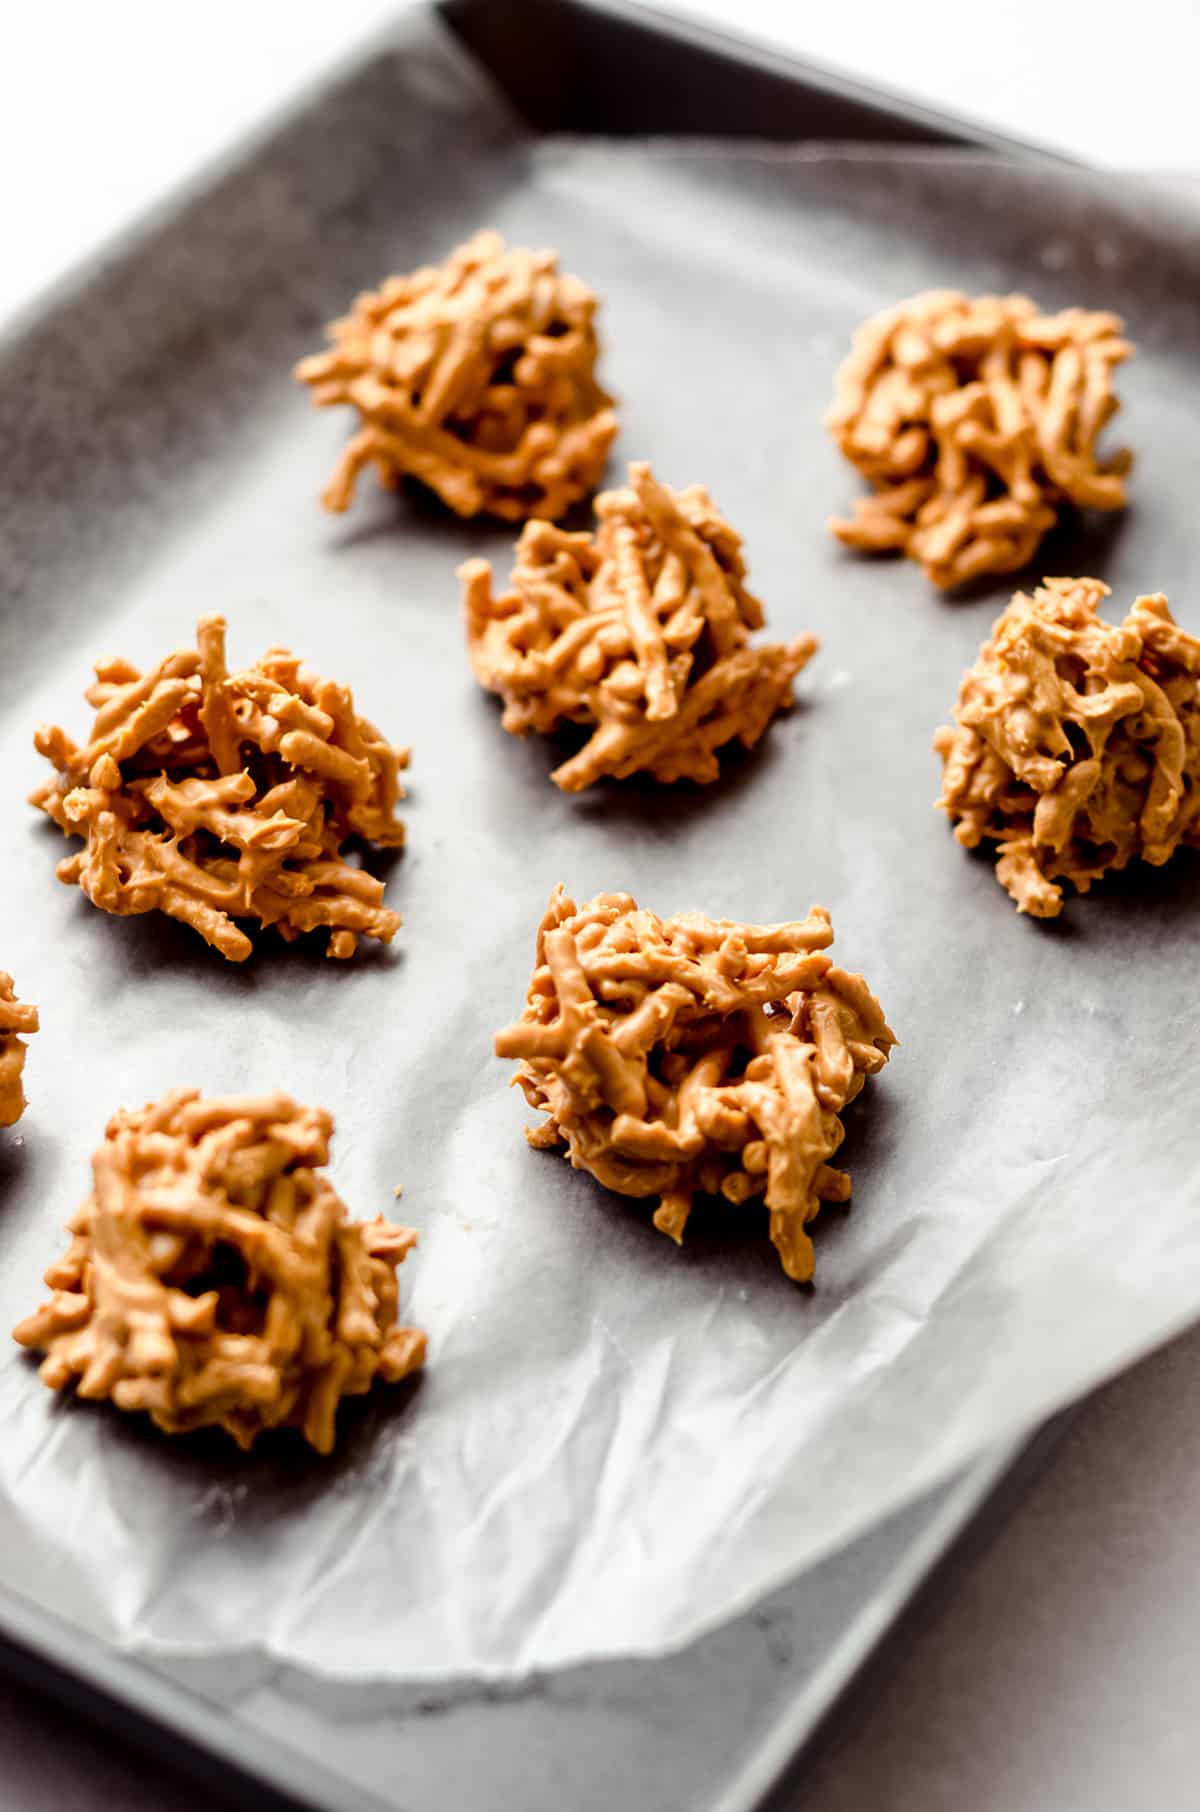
716, 1726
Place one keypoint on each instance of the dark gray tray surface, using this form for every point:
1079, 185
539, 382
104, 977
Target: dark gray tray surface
160, 395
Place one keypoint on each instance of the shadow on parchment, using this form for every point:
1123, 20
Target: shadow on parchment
725, 1243
995, 899
391, 514
151, 943
1170, 893
1079, 546
1133, 899
16, 1155
376, 515
640, 801
730, 1244
280, 1475
1082, 543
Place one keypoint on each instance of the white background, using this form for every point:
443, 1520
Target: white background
105, 107
1065, 1674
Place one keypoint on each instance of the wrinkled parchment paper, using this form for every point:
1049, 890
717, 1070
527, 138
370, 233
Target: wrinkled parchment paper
616, 1444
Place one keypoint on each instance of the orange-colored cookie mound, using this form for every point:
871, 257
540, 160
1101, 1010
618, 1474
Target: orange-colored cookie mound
686, 1056
214, 1277
225, 798
976, 421
640, 631
1076, 743
476, 377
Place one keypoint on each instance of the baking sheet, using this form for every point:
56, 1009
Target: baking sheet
616, 1445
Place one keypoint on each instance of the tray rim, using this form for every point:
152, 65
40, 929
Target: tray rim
158, 1715
654, 20
758, 55
119, 1692
976, 1508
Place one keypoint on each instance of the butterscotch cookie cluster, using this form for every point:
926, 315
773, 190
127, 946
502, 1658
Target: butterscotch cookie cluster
975, 421
476, 377
225, 799
16, 1017
215, 1278
692, 1056
640, 631
1076, 743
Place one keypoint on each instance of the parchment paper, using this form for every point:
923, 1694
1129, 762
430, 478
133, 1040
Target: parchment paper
616, 1444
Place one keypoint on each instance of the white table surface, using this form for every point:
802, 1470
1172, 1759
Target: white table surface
1064, 1673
